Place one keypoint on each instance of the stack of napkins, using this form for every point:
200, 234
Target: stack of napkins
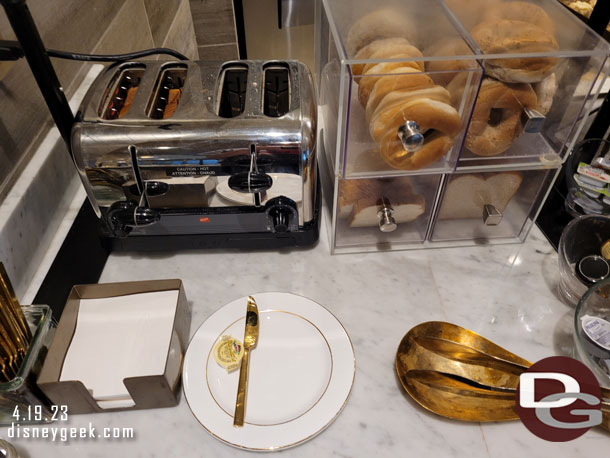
120, 337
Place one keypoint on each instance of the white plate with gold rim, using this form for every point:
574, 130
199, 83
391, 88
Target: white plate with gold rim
300, 376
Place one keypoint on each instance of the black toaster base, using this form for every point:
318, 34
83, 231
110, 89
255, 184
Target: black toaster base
305, 237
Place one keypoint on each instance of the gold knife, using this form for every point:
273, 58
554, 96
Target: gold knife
250, 339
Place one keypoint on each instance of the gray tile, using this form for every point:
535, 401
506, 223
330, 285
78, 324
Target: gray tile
181, 35
218, 52
23, 113
4, 66
70, 25
161, 14
129, 31
214, 21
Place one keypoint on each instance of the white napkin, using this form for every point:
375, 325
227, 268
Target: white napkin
119, 337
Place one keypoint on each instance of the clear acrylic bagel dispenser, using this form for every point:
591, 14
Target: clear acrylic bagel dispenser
412, 93
390, 128
489, 205
544, 73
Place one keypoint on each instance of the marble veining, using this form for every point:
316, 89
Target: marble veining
505, 293
36, 206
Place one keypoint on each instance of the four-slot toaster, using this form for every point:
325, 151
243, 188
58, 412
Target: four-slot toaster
200, 153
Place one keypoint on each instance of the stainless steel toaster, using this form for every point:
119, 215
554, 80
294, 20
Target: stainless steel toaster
208, 153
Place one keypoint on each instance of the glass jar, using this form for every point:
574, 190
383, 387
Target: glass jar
20, 399
583, 237
592, 330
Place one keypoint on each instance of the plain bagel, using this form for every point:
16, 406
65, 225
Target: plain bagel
439, 122
402, 78
516, 37
496, 120
545, 91
401, 96
392, 79
521, 11
470, 12
383, 23
381, 49
427, 113
443, 71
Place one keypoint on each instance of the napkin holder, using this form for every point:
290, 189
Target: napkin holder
148, 392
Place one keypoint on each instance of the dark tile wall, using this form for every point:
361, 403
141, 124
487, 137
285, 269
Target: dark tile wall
181, 34
160, 20
219, 52
214, 23
100, 26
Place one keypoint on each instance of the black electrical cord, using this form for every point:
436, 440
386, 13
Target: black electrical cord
115, 57
11, 50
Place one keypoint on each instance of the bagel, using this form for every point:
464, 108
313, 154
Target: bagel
388, 47
496, 120
545, 92
516, 37
398, 52
366, 83
520, 11
439, 122
393, 92
397, 79
470, 12
443, 71
383, 23
434, 93
383, 68
372, 72
427, 113
435, 147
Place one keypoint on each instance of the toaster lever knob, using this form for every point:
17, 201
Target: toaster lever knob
282, 214
122, 216
156, 188
250, 182
280, 220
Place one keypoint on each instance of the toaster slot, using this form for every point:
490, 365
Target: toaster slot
121, 92
167, 92
233, 86
276, 83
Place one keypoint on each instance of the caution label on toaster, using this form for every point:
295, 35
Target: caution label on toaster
190, 171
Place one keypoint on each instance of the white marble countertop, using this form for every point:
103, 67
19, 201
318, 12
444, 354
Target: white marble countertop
506, 293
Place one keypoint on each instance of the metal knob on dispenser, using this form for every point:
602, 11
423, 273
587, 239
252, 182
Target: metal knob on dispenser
491, 215
387, 223
532, 120
411, 137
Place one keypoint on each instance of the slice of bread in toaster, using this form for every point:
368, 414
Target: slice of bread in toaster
131, 93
